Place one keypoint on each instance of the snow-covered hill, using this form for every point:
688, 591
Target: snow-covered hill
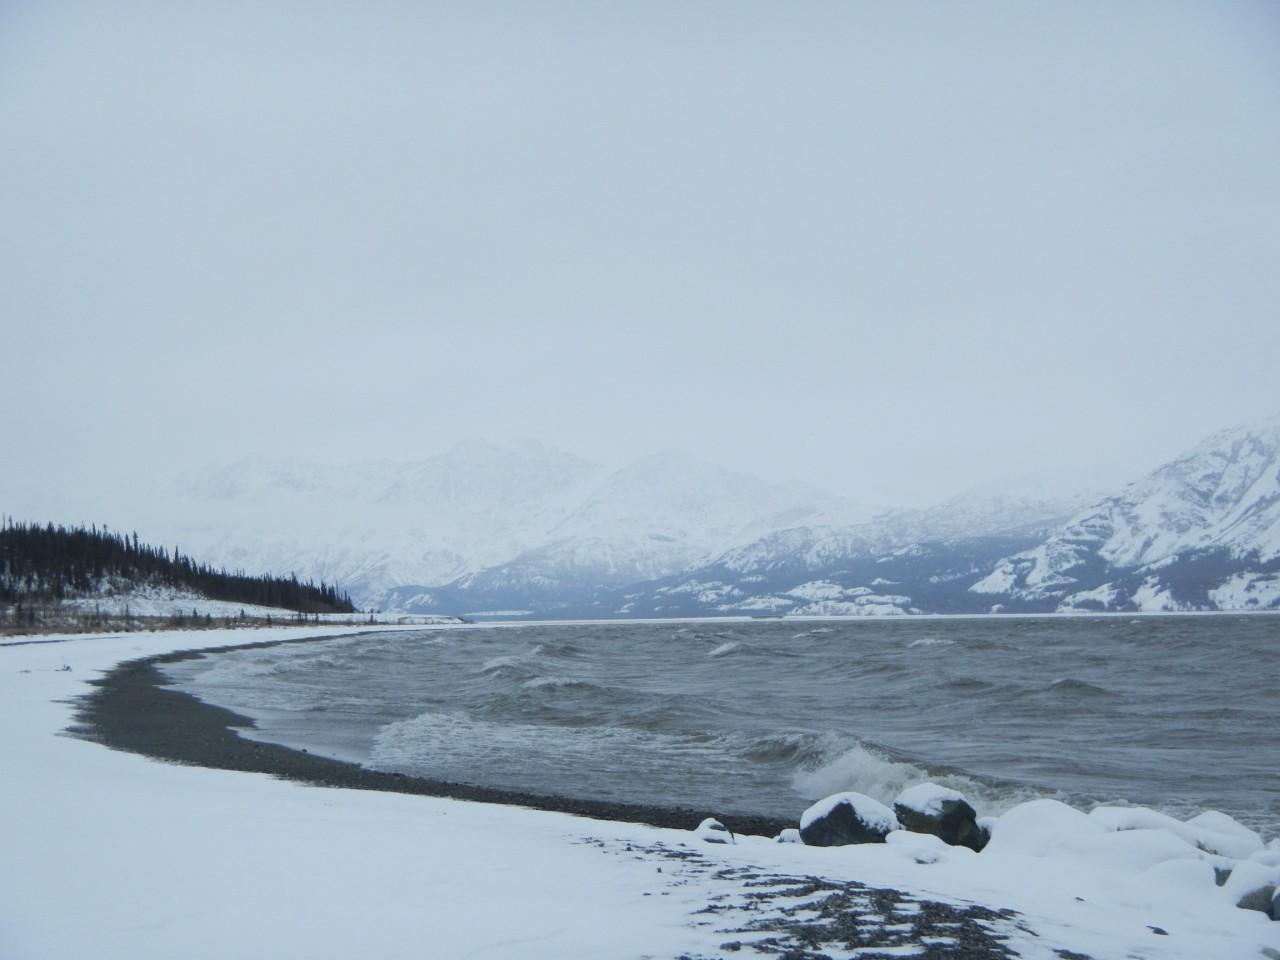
482, 517
1200, 532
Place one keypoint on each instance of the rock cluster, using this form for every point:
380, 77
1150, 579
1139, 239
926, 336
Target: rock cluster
927, 818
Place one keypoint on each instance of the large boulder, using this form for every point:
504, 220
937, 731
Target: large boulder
940, 812
846, 818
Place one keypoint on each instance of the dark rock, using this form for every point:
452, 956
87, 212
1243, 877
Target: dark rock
943, 813
846, 818
1261, 899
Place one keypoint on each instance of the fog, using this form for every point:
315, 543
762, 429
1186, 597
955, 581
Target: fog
896, 250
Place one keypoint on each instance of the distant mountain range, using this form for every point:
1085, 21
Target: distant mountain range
525, 530
519, 520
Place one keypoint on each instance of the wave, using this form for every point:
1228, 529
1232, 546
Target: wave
866, 768
966, 684
725, 648
539, 683
497, 664
440, 739
788, 748
930, 642
1070, 686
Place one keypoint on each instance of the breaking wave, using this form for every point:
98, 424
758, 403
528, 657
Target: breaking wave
864, 768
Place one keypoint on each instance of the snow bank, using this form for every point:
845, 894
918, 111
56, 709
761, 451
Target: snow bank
1211, 831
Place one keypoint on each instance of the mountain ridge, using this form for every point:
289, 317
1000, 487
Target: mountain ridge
529, 528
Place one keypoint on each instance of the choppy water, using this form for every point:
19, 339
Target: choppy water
1177, 713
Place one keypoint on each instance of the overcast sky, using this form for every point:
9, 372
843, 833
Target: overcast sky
895, 249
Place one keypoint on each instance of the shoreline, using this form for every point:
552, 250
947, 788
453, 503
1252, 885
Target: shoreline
374, 869
134, 708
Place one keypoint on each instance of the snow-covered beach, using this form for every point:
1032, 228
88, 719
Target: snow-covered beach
113, 854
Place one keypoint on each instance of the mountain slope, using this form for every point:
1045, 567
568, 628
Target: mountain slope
892, 564
482, 517
1200, 532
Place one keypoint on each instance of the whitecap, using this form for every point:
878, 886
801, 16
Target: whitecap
864, 769
540, 682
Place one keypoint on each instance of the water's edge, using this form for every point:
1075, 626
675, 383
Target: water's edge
136, 710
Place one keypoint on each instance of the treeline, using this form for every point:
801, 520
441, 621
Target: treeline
51, 563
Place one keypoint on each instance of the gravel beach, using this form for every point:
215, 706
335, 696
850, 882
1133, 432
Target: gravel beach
133, 708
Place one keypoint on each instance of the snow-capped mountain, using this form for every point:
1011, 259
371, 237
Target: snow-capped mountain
1199, 532
906, 561
525, 529
479, 518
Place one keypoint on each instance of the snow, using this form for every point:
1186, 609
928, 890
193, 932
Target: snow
1103, 597
111, 855
1245, 591
163, 601
1038, 828
1251, 877
1211, 831
1003, 579
1224, 493
862, 606
927, 798
817, 590
712, 830
1151, 597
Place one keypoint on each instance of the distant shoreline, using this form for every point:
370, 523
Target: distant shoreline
135, 709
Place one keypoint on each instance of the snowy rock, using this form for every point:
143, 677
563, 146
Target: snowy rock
712, 830
790, 835
1220, 824
1252, 886
1275, 905
921, 848
1040, 828
845, 818
1211, 831
940, 812
985, 826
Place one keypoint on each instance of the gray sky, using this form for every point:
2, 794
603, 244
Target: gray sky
895, 249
